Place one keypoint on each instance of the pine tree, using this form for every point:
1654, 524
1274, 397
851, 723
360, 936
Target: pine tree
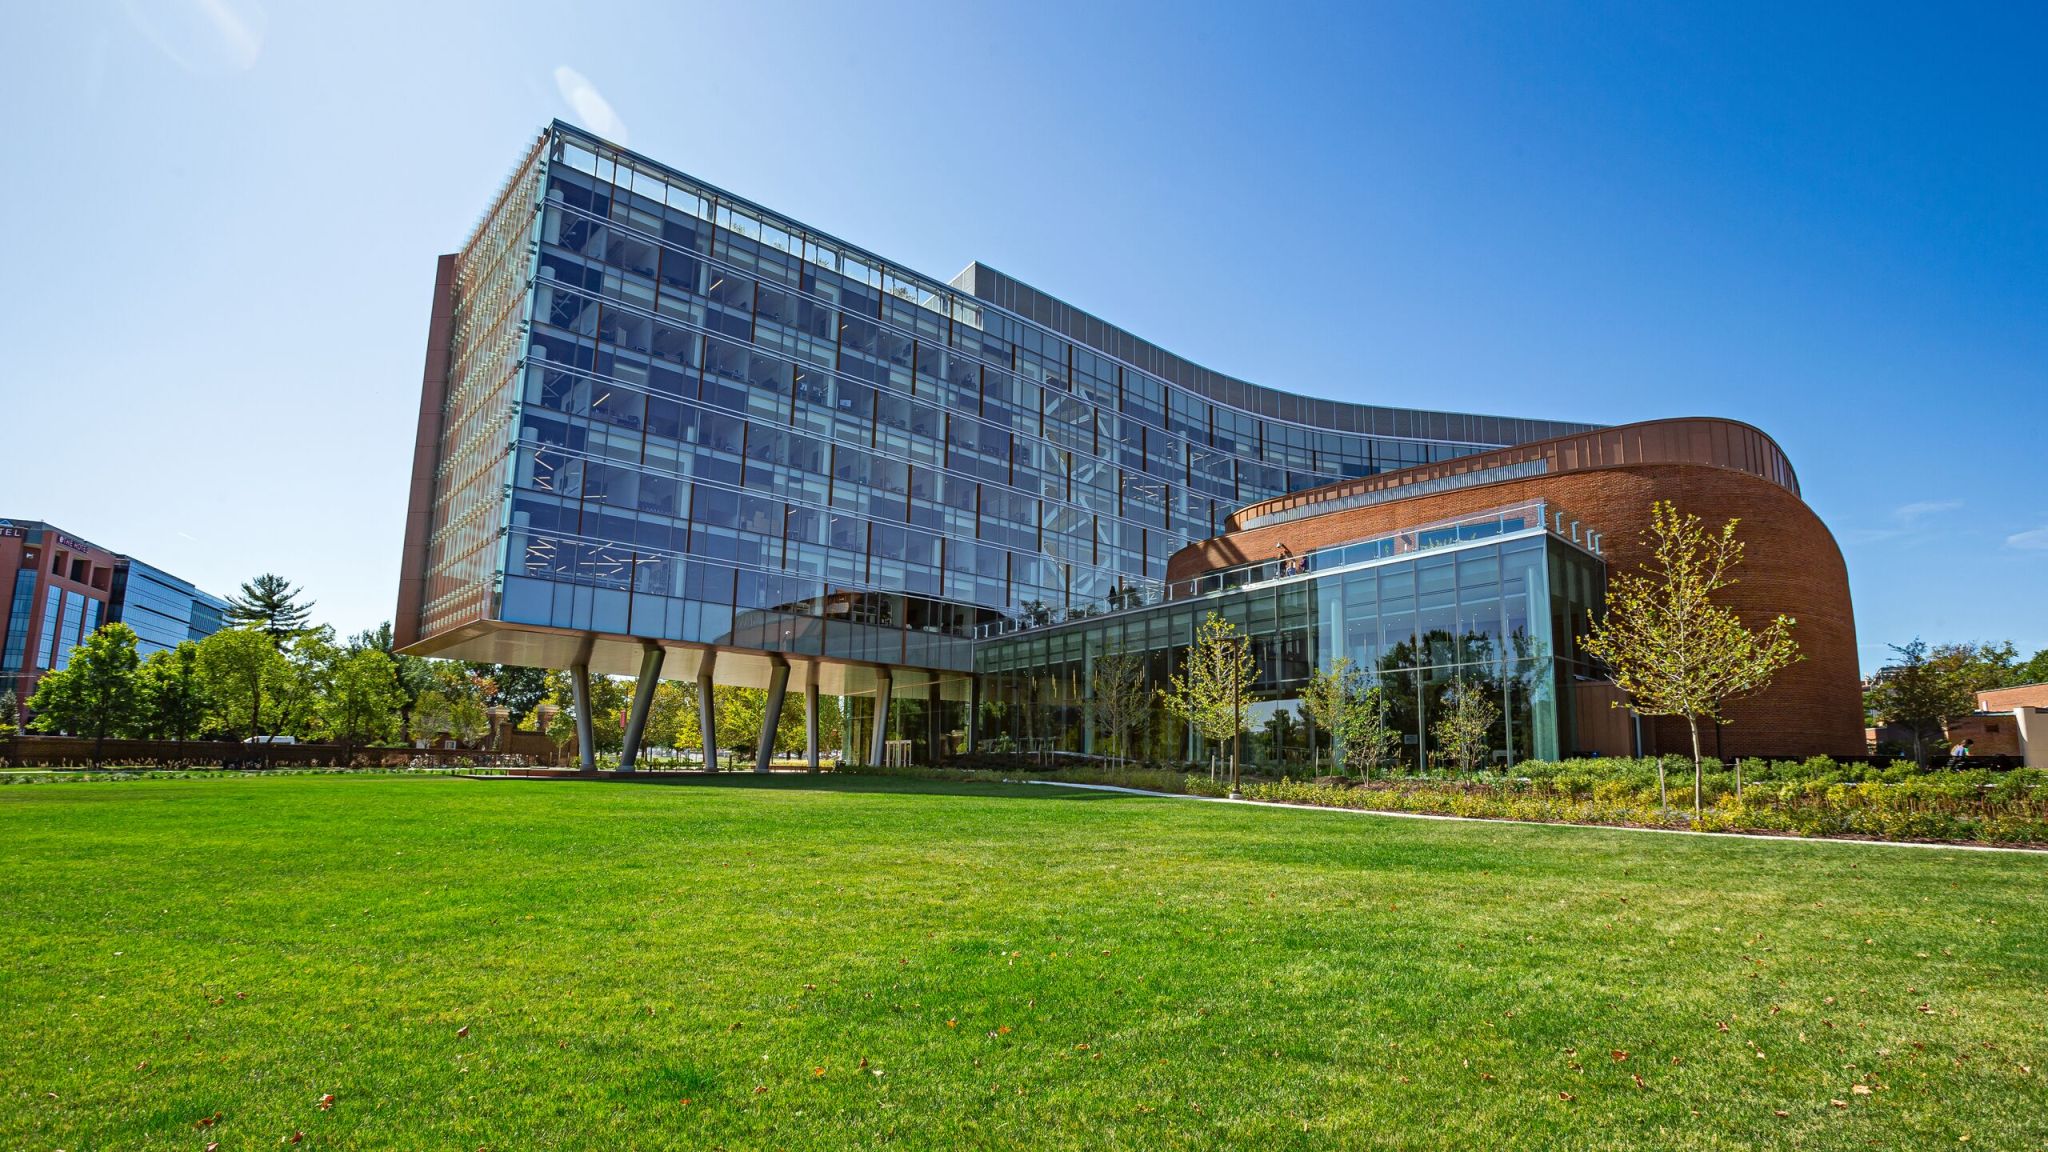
270, 605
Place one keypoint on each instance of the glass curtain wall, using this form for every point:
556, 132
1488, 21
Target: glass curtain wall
731, 430
1479, 618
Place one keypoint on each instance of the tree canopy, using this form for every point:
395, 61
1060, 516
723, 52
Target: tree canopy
95, 694
271, 605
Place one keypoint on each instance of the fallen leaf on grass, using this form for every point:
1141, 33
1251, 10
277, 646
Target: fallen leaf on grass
327, 1102
294, 1138
1779, 1112
1637, 1077
1566, 1097
1839, 1103
1859, 1089
1619, 1055
462, 1033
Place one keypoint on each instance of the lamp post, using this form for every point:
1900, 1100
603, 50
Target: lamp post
1236, 721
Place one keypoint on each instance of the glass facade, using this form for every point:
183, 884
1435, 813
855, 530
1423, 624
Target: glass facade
1484, 611
15, 651
673, 414
163, 610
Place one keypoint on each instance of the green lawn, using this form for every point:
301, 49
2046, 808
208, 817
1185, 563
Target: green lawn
793, 963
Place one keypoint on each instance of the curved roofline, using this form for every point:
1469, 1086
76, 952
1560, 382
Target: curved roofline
1017, 298
990, 291
1711, 441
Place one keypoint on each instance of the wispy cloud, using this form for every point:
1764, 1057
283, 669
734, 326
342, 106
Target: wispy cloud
2032, 540
592, 110
1920, 509
202, 36
1906, 520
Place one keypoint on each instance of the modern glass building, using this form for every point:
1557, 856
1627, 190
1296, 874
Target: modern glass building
57, 590
1490, 603
163, 609
666, 429
60, 589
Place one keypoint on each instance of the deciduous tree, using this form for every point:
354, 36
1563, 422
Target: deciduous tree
174, 700
1213, 687
361, 703
1464, 732
1669, 645
1924, 691
1370, 743
1325, 700
1119, 695
96, 693
240, 670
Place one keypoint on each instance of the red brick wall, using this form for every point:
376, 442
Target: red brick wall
2007, 699
1792, 567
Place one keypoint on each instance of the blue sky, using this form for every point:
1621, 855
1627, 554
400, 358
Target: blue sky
1829, 224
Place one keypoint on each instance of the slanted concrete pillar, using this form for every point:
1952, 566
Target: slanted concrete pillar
651, 657
878, 743
778, 684
579, 691
707, 713
811, 719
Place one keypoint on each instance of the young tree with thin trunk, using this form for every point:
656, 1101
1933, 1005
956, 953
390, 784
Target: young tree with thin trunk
1669, 646
1212, 690
1119, 695
1370, 743
1326, 700
1463, 734
96, 693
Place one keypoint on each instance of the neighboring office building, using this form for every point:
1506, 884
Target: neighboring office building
60, 588
665, 431
57, 586
164, 610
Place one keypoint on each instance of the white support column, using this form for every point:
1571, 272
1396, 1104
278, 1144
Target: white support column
878, 741
811, 719
707, 713
579, 690
651, 657
778, 686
